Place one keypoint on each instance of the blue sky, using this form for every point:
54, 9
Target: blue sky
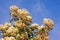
38, 9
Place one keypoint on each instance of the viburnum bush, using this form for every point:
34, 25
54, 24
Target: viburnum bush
23, 28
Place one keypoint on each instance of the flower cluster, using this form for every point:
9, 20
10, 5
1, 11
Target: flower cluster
17, 13
23, 28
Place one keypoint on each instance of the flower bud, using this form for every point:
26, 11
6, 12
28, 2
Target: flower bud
9, 38
13, 8
48, 22
35, 25
12, 31
12, 38
19, 12
40, 29
6, 26
29, 18
25, 11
